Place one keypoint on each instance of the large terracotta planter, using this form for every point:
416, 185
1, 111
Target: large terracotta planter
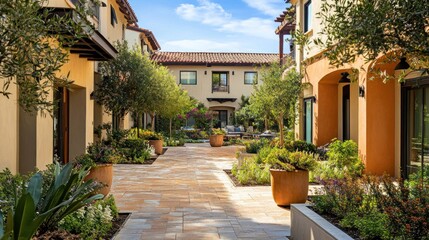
289, 187
102, 173
157, 144
216, 140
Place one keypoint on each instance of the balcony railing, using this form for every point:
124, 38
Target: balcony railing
220, 88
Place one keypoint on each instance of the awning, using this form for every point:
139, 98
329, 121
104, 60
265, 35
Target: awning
221, 100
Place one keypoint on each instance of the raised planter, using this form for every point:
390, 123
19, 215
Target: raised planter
308, 225
289, 187
216, 140
102, 173
157, 145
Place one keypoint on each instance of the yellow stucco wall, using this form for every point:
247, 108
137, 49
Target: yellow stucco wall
9, 130
203, 89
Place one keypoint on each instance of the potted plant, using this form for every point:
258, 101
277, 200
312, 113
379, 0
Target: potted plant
155, 139
289, 175
100, 158
216, 137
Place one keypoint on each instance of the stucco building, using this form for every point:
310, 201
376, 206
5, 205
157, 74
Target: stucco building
218, 80
385, 119
32, 140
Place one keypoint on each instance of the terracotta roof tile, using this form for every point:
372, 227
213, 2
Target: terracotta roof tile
214, 58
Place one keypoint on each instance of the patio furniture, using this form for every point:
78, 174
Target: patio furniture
234, 132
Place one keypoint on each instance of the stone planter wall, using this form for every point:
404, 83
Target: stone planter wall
308, 225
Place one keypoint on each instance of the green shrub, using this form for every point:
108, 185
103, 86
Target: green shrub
252, 173
174, 142
370, 226
38, 210
93, 221
301, 146
263, 154
134, 151
280, 158
254, 146
343, 161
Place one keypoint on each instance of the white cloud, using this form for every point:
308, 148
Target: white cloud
269, 7
207, 12
201, 45
256, 27
213, 14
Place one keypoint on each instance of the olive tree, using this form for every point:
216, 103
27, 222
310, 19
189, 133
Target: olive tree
278, 94
370, 28
33, 48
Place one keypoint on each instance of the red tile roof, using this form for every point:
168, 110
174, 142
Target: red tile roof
214, 58
149, 34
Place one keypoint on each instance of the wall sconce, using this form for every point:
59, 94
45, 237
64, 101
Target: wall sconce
402, 65
205, 72
361, 91
232, 72
344, 78
103, 4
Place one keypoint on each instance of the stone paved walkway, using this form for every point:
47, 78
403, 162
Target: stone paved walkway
185, 194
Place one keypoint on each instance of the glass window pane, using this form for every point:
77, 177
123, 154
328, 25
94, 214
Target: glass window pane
188, 78
308, 121
415, 130
307, 16
250, 77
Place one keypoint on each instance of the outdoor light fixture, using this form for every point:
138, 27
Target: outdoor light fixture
103, 4
361, 91
205, 72
344, 78
402, 65
232, 72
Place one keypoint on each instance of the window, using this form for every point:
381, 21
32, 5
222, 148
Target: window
220, 82
308, 119
415, 127
250, 77
188, 77
113, 19
307, 16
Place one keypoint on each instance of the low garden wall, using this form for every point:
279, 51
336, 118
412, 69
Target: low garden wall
308, 225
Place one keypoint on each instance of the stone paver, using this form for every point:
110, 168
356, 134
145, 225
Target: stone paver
185, 194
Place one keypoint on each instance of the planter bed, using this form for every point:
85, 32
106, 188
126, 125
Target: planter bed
117, 225
236, 183
308, 225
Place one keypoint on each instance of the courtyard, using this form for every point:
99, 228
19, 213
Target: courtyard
185, 194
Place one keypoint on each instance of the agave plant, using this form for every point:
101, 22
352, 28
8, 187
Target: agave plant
34, 211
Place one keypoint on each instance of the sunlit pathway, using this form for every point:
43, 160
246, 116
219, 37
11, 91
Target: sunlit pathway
186, 195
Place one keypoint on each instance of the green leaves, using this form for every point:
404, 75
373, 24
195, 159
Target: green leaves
67, 193
370, 28
33, 42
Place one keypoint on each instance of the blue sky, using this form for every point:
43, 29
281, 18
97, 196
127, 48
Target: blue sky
211, 25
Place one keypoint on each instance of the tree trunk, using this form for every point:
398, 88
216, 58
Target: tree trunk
171, 124
281, 127
152, 119
266, 123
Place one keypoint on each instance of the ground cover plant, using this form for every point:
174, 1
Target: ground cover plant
342, 161
37, 202
377, 207
256, 170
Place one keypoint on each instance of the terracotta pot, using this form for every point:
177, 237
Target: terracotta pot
289, 187
216, 140
102, 173
157, 144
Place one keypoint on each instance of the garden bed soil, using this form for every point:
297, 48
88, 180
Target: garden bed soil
117, 224
236, 183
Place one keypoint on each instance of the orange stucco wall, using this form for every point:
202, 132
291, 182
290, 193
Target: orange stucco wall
325, 120
375, 131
